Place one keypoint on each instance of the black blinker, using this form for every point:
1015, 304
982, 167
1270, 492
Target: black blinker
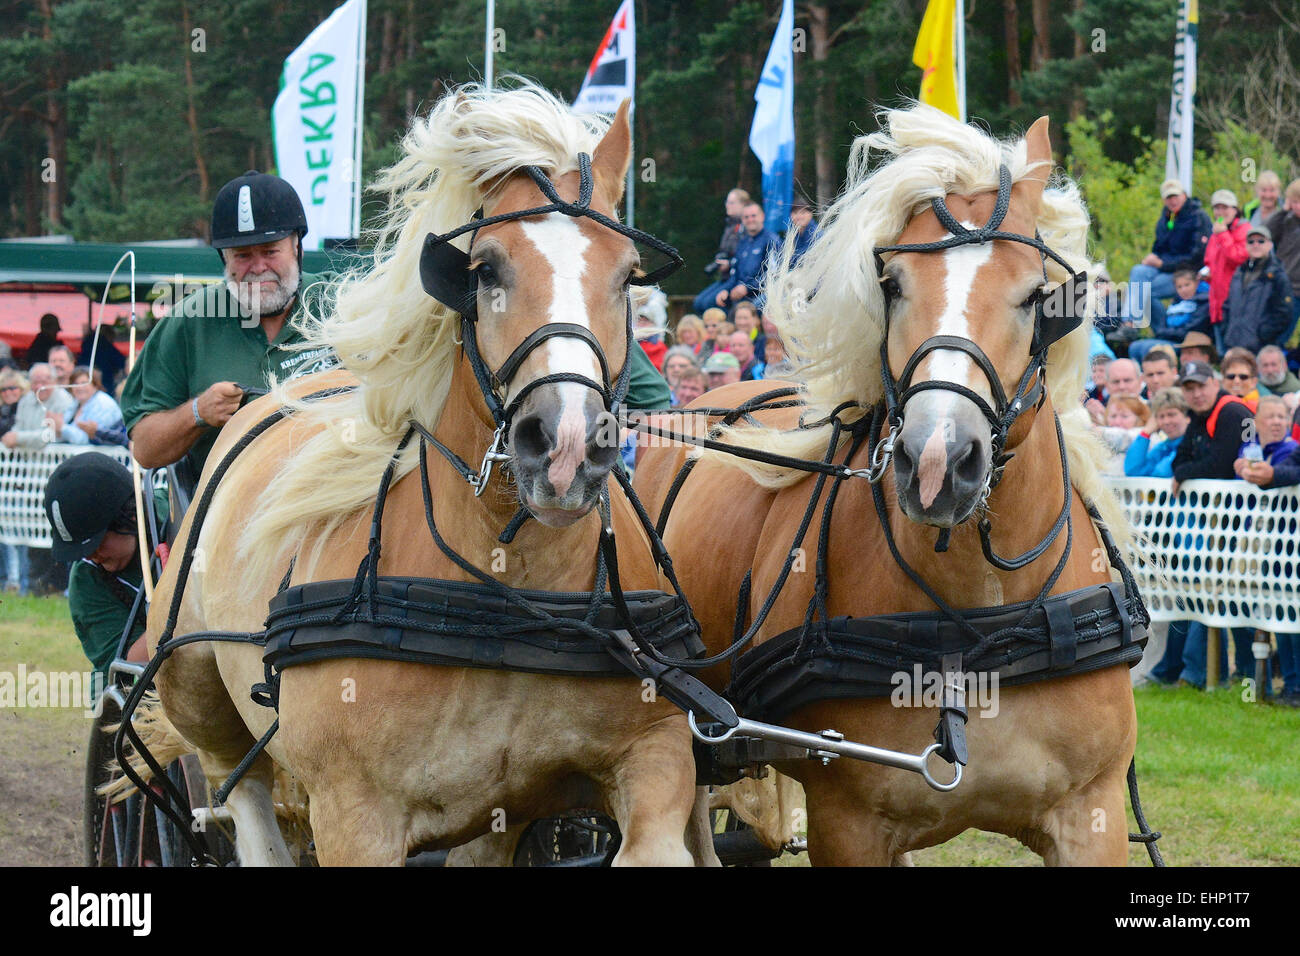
445, 275
1060, 311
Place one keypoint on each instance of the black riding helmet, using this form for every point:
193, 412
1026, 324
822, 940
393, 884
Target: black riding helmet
85, 497
256, 208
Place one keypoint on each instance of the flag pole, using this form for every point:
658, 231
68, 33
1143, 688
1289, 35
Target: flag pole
358, 128
959, 25
487, 42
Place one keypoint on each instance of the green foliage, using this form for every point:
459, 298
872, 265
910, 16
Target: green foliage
1124, 198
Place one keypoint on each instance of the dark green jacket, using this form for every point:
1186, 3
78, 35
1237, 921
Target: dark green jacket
203, 341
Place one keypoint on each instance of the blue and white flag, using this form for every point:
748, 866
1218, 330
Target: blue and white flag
771, 137
317, 124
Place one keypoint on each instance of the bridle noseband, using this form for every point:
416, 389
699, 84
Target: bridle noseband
1058, 312
446, 275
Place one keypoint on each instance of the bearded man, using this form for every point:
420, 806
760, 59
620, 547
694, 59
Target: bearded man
190, 378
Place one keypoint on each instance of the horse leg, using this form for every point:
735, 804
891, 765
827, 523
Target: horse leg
1087, 828
491, 849
652, 797
199, 709
699, 831
258, 840
847, 835
356, 825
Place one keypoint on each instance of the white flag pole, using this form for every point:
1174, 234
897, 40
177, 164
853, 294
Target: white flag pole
487, 43
358, 128
959, 24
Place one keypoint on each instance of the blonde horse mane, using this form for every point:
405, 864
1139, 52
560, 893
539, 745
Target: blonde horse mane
830, 310
399, 342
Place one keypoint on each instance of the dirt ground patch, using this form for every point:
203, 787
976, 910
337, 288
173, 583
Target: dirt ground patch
42, 765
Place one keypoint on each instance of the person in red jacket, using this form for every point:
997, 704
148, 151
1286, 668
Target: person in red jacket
1224, 252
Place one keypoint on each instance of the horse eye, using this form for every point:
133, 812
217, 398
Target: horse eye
486, 274
1034, 298
889, 286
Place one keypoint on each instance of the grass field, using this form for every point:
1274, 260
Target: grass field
1220, 777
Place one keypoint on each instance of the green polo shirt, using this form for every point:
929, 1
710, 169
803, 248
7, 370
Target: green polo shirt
646, 388
204, 341
100, 603
99, 609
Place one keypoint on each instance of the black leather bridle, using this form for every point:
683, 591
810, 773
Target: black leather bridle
1058, 312
446, 275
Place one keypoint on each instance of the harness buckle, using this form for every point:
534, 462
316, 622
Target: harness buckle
493, 455
881, 456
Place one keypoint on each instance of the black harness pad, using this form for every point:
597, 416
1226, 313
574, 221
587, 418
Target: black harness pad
460, 624
1072, 633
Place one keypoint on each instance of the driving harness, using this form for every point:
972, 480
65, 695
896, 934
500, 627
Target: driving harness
653, 634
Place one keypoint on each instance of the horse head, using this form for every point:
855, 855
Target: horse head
969, 321
547, 322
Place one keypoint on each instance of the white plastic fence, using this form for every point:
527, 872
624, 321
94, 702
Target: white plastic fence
1224, 553
22, 489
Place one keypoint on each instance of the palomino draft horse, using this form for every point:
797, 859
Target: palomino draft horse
396, 755
973, 377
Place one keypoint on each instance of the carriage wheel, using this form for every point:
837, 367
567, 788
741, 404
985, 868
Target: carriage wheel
105, 829
569, 841
133, 832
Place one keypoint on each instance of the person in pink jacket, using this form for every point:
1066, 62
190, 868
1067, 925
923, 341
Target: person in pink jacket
1225, 250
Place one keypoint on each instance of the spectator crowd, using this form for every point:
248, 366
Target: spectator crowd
1192, 375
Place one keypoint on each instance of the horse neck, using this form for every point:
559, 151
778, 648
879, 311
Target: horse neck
472, 524
1021, 509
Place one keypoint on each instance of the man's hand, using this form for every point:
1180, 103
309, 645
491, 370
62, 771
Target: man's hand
9, 439
1153, 260
219, 403
1258, 473
1239, 466
739, 292
1219, 226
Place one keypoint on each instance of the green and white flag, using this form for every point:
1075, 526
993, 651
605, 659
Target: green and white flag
317, 124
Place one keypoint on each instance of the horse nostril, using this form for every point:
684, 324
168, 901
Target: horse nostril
532, 438
970, 467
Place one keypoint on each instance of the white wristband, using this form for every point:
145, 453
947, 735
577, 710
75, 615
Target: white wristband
198, 419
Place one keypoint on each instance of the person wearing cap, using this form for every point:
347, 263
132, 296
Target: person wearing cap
1181, 234
1216, 431
189, 378
1225, 250
722, 368
90, 504
1257, 311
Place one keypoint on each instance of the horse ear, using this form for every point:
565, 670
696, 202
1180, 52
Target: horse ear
610, 161
1038, 149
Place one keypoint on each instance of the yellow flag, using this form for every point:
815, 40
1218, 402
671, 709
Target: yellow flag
934, 54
